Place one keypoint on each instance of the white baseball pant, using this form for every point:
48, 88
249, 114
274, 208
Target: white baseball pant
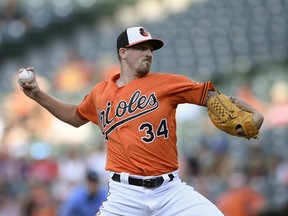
172, 198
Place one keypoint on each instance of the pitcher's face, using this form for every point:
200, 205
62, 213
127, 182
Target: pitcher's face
139, 58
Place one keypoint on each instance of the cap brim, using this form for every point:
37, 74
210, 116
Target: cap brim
157, 43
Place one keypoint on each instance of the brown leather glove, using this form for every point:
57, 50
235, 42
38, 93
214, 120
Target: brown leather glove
226, 116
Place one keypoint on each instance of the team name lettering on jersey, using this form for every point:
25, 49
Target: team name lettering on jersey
137, 106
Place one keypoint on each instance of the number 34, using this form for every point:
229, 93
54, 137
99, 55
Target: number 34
162, 130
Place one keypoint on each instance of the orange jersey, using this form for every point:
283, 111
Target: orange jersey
138, 120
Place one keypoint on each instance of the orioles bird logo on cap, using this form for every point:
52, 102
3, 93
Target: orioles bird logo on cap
144, 32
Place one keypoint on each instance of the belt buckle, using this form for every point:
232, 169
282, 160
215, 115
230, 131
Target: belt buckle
148, 183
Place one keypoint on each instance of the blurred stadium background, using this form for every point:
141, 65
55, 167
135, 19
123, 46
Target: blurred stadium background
241, 45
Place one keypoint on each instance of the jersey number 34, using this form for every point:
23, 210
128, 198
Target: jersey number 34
151, 133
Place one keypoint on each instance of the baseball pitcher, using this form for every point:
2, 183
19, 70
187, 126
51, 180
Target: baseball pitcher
136, 113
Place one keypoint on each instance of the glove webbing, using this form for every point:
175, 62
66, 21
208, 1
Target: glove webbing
220, 108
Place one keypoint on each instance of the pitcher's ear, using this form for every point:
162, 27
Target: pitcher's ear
122, 52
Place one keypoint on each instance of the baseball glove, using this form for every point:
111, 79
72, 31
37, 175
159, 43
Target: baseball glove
228, 117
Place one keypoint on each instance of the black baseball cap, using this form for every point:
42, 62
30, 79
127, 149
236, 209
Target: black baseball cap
135, 35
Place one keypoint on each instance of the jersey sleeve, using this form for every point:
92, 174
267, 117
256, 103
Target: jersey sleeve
87, 109
185, 90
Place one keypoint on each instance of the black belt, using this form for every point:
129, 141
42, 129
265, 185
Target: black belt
147, 183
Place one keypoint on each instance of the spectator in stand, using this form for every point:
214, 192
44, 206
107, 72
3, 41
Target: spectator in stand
85, 200
277, 113
39, 202
240, 199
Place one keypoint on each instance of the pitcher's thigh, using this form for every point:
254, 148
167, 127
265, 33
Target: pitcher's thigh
124, 200
183, 200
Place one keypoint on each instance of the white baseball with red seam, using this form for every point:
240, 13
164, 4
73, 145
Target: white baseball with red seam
26, 76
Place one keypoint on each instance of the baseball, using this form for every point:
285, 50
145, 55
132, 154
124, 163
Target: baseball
26, 76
